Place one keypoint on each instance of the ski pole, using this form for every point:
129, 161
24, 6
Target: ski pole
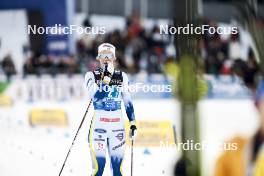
132, 155
75, 138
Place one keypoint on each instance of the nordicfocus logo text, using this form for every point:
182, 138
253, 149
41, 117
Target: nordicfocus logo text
59, 29
203, 29
136, 87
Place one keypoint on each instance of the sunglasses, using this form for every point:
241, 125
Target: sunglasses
105, 56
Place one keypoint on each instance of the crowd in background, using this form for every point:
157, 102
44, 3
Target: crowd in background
138, 49
43, 64
232, 55
142, 50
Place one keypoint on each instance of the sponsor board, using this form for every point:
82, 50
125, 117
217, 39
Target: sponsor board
151, 133
48, 117
226, 87
5, 100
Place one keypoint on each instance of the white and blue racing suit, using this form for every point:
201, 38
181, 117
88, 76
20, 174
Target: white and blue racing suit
107, 129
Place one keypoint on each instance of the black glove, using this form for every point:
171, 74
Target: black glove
107, 74
133, 132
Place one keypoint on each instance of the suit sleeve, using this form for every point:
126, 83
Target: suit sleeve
127, 99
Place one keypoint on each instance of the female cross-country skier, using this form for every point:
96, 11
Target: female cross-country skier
107, 88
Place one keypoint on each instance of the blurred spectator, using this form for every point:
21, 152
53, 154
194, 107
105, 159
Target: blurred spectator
8, 66
242, 161
133, 24
240, 45
246, 70
252, 71
156, 51
215, 50
28, 67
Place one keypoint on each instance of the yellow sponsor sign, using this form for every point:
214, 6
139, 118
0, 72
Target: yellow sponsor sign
5, 100
152, 133
48, 117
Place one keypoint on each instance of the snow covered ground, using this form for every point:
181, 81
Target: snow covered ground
28, 151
